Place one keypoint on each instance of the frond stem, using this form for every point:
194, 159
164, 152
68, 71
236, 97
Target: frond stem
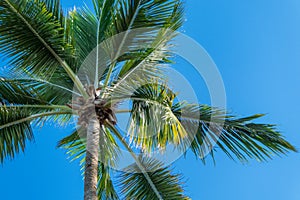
138, 162
40, 106
121, 45
34, 117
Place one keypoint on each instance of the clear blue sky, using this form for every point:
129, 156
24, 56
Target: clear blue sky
256, 45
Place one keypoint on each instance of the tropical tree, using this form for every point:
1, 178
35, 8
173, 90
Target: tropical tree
45, 48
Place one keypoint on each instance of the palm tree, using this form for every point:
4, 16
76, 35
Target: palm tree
46, 47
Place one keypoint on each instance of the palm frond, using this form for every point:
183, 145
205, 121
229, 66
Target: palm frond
105, 187
28, 32
239, 138
34, 40
90, 29
15, 126
144, 14
134, 185
34, 91
156, 120
149, 26
16, 93
85, 30
54, 6
152, 123
65, 20
147, 65
13, 139
75, 144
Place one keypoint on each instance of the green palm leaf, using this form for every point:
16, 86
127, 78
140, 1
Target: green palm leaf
134, 185
34, 91
28, 34
75, 145
200, 127
105, 187
145, 13
15, 125
34, 39
239, 137
90, 29
13, 139
15, 92
28, 100
25, 101
149, 26
54, 6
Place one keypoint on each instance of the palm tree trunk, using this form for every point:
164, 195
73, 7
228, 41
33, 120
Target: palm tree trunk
91, 163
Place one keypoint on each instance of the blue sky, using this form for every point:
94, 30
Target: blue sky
256, 47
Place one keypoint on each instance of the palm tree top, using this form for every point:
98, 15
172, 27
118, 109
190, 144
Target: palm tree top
46, 48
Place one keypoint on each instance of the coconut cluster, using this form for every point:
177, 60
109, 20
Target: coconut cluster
93, 105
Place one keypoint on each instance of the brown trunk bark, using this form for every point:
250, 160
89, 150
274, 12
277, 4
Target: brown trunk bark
91, 163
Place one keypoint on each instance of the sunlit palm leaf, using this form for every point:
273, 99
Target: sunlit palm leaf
75, 144
152, 123
54, 6
134, 185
